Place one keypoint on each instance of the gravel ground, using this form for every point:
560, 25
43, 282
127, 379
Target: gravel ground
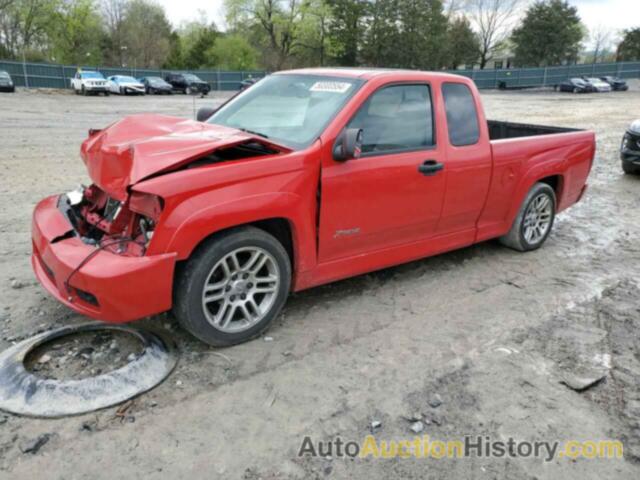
481, 341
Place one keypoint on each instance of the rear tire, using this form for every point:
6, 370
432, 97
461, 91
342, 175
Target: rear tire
534, 221
221, 297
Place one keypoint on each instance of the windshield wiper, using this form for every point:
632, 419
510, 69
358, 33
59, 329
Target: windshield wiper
253, 132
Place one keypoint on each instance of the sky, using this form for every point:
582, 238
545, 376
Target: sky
613, 14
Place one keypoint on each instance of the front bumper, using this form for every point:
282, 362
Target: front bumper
109, 287
630, 148
95, 88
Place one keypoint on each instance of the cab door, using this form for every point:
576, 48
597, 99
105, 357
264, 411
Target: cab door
393, 193
469, 161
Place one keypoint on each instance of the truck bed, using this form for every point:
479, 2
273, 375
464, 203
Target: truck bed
503, 130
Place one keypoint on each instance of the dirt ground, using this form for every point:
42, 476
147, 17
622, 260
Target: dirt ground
480, 341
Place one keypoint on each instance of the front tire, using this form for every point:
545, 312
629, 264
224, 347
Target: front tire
630, 169
233, 286
534, 221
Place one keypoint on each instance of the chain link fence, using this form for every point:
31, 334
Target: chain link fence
59, 76
47, 75
548, 76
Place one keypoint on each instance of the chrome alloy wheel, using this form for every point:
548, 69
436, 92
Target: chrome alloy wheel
537, 219
240, 289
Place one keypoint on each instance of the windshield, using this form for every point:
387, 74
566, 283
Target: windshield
126, 79
291, 109
191, 78
155, 80
4, 75
97, 75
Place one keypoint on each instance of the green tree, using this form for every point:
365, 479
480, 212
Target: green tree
381, 34
232, 52
24, 27
76, 33
275, 25
196, 38
175, 58
423, 31
145, 34
550, 34
315, 46
347, 28
629, 47
463, 45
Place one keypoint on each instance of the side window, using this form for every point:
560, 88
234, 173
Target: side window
396, 118
462, 117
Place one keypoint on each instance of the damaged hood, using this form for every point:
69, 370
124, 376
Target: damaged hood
139, 146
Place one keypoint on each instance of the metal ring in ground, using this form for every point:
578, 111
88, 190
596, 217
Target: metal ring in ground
24, 393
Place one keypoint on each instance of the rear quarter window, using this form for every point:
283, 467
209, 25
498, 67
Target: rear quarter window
462, 116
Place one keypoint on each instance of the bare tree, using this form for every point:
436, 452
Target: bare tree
493, 21
601, 39
452, 7
23, 25
4, 4
279, 20
114, 13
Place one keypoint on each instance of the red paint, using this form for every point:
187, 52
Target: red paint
374, 212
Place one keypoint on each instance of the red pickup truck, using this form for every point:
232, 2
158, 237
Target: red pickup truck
307, 177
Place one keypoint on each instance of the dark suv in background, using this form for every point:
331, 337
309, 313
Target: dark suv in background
187, 83
616, 83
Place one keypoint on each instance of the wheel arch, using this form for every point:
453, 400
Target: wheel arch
278, 227
554, 179
556, 182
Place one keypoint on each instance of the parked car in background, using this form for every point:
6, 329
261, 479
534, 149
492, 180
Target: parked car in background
155, 85
308, 177
85, 82
575, 85
597, 84
125, 85
616, 83
630, 149
6, 82
187, 83
247, 82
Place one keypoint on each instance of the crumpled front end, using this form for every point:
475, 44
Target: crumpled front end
89, 251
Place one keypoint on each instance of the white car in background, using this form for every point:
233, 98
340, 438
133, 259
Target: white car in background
88, 81
125, 85
599, 85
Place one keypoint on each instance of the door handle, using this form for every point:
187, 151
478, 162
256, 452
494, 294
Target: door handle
430, 167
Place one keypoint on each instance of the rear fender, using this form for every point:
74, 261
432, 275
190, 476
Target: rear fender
544, 169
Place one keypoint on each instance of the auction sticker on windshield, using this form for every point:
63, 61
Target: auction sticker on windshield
334, 87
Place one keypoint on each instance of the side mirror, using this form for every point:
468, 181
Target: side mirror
205, 113
348, 145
